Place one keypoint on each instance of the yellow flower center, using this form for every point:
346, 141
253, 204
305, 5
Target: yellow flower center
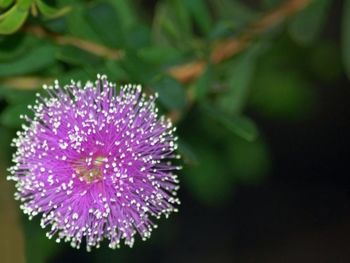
90, 173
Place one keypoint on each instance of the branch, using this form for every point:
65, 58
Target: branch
26, 82
184, 73
232, 46
88, 46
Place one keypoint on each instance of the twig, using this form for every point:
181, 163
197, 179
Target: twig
26, 82
232, 46
185, 72
88, 46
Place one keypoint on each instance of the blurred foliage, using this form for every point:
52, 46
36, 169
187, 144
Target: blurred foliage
139, 41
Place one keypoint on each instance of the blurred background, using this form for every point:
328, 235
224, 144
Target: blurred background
259, 91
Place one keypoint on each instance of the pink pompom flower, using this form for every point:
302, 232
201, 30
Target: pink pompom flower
95, 163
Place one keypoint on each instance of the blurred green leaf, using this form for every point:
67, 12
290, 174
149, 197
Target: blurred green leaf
51, 12
137, 69
239, 125
24, 4
282, 94
172, 24
13, 19
79, 26
233, 9
126, 12
38, 58
307, 24
5, 3
201, 14
13, 96
138, 37
187, 153
171, 93
104, 19
239, 73
76, 56
223, 29
5, 140
15, 45
346, 36
10, 116
249, 161
209, 179
158, 55
326, 51
233, 15
182, 15
115, 71
204, 83
39, 249
268, 4
75, 74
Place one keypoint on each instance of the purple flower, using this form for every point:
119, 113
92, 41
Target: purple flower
96, 163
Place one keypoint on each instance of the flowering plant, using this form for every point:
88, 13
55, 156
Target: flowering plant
96, 163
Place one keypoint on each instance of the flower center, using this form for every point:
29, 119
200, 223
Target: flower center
90, 169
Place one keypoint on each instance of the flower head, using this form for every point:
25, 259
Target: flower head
95, 163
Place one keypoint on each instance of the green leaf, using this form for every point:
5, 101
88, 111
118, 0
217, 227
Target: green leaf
5, 140
137, 37
307, 24
209, 179
76, 74
326, 51
172, 24
239, 73
104, 19
13, 19
182, 15
24, 4
37, 59
39, 249
222, 29
346, 37
113, 69
137, 69
268, 4
58, 25
11, 115
233, 14
204, 83
5, 3
239, 125
126, 12
76, 56
51, 12
171, 93
13, 96
187, 153
159, 55
201, 14
16, 45
282, 94
79, 26
249, 161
